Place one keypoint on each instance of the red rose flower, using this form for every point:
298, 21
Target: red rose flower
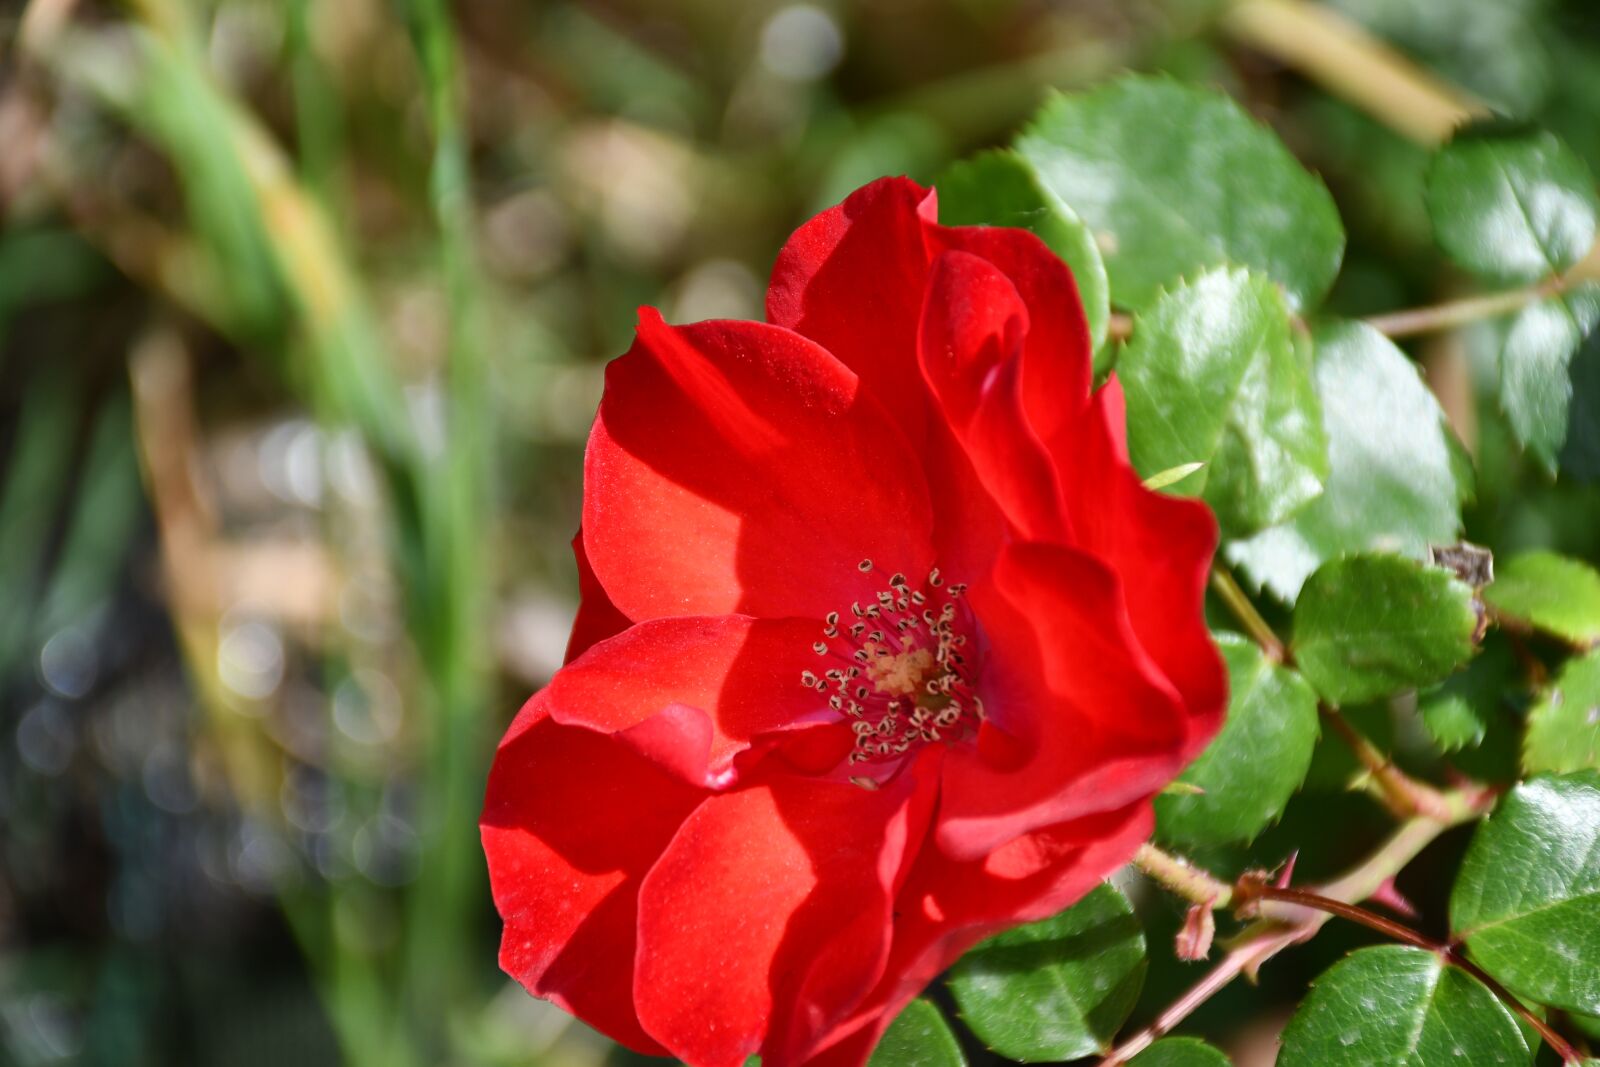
883, 648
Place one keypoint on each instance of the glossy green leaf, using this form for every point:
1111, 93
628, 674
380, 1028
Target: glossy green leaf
1175, 179
1527, 900
1254, 765
1180, 1052
918, 1037
1511, 202
1212, 376
1057, 989
1535, 383
999, 188
1452, 722
1369, 626
1549, 592
1564, 726
1399, 1005
1394, 479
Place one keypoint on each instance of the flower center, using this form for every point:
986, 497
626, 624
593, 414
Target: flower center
900, 669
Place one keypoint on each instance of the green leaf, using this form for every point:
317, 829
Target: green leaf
1254, 765
999, 188
1548, 592
1369, 626
1453, 722
918, 1037
1395, 1004
1392, 471
1180, 1052
1483, 732
1511, 202
1535, 383
1174, 179
1527, 900
1211, 375
1564, 727
1057, 989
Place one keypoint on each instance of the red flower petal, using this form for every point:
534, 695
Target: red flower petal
720, 682
969, 526
1081, 720
737, 467
567, 886
769, 915
974, 325
947, 906
598, 618
1160, 547
1057, 355
855, 1047
851, 279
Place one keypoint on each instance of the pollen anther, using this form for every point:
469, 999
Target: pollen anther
913, 690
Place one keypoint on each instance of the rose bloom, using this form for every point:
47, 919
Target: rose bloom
883, 648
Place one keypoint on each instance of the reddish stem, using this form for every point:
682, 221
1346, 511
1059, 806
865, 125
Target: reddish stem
1354, 912
1249, 890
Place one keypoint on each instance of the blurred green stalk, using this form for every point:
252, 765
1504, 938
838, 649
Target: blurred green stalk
258, 220
316, 109
439, 911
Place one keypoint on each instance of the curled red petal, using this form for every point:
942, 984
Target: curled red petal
851, 279
768, 917
974, 325
692, 692
572, 822
738, 467
1056, 352
1080, 719
1161, 549
946, 906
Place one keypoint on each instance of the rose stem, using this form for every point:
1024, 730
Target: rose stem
1180, 877
1305, 898
1348, 61
1455, 313
1450, 954
1400, 793
1238, 602
1283, 926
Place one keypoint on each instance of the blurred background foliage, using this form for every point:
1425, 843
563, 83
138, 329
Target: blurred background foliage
303, 309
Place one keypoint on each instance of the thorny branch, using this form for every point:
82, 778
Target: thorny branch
1249, 891
1283, 923
1400, 793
